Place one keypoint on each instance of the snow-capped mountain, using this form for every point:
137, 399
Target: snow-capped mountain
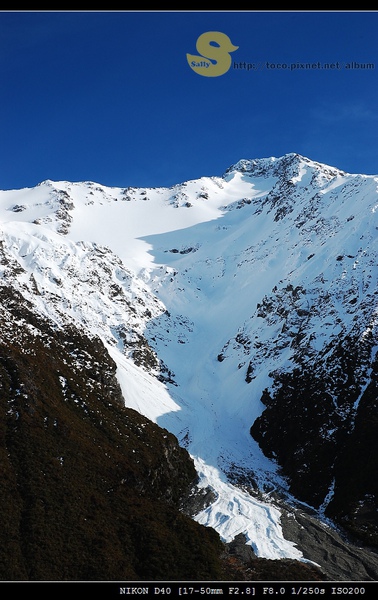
241, 314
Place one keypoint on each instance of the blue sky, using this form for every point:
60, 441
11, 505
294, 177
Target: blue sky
109, 96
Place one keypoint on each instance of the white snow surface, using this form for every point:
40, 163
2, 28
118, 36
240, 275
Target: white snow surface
188, 268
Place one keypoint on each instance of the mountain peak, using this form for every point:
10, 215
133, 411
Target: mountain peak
286, 166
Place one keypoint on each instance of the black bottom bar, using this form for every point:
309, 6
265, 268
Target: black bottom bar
175, 589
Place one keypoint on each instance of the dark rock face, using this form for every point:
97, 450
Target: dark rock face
90, 489
355, 500
320, 425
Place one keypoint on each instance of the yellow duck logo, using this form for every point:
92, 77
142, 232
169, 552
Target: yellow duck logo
212, 46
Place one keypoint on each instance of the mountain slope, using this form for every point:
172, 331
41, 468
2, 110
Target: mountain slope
230, 305
90, 489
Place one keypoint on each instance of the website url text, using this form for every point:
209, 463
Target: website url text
299, 66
